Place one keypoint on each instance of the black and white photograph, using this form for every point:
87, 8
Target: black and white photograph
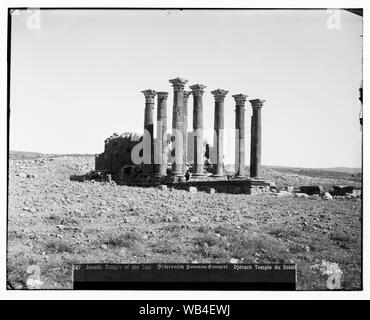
209, 143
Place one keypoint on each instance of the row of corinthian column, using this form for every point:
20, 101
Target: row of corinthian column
180, 129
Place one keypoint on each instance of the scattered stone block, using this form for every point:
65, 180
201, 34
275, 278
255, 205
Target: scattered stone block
338, 197
289, 188
357, 192
234, 260
193, 190
283, 193
342, 190
302, 195
272, 184
327, 196
311, 190
255, 191
346, 190
314, 197
211, 191
163, 187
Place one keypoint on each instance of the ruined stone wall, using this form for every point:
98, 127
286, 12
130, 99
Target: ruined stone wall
117, 153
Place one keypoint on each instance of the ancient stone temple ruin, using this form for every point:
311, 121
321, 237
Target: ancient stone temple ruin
165, 159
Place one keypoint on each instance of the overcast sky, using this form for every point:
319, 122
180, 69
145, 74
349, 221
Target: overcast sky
78, 78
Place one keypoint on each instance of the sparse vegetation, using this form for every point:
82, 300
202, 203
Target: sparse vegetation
59, 246
128, 240
54, 218
55, 222
341, 236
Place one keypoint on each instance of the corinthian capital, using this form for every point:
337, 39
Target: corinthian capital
219, 94
257, 103
149, 95
162, 95
240, 99
178, 84
187, 95
197, 89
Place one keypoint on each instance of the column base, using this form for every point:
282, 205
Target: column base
175, 179
185, 170
198, 174
218, 175
257, 178
239, 176
160, 174
177, 173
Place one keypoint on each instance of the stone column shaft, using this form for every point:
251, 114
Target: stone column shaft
219, 95
198, 91
148, 131
161, 163
185, 126
240, 135
255, 159
177, 125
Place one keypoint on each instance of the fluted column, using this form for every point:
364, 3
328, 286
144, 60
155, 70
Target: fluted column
218, 144
255, 161
177, 125
240, 134
148, 150
185, 126
161, 141
198, 91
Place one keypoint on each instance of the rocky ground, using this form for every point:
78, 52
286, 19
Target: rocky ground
54, 222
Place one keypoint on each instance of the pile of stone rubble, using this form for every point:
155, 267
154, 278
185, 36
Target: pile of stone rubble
317, 192
93, 176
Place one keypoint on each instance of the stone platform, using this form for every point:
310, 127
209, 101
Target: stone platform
219, 184
235, 186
